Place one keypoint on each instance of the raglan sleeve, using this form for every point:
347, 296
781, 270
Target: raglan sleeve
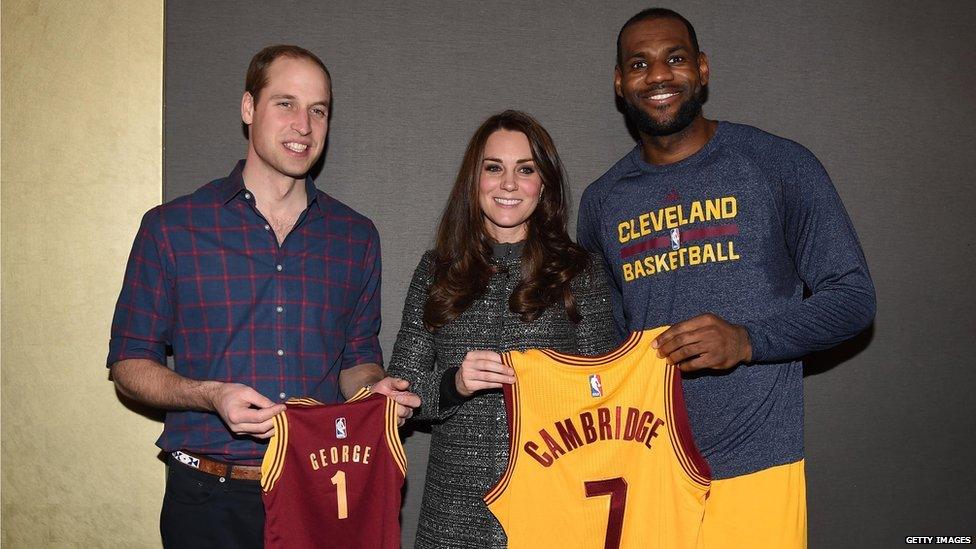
829, 259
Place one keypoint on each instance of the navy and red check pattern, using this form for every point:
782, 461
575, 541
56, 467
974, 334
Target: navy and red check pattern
206, 276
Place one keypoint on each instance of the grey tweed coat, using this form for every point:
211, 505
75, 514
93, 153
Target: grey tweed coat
469, 444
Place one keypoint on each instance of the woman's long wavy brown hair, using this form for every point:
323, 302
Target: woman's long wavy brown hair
462, 255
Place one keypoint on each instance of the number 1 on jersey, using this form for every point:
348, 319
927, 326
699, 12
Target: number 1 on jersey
339, 480
616, 488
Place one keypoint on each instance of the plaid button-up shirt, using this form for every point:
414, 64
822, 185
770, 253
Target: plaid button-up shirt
207, 277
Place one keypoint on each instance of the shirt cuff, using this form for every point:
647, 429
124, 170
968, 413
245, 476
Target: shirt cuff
123, 348
450, 396
756, 341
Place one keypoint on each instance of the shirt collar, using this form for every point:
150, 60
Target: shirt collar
233, 185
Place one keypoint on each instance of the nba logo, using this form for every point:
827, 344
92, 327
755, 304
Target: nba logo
341, 427
596, 386
675, 238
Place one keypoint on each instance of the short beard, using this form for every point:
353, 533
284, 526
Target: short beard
645, 124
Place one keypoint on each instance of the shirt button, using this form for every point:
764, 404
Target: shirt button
282, 395
279, 267
280, 309
267, 227
281, 352
247, 196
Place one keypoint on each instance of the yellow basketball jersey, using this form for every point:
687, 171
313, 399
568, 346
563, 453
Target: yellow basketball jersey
601, 452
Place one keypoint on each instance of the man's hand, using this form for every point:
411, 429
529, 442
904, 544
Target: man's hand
482, 370
244, 410
705, 341
396, 389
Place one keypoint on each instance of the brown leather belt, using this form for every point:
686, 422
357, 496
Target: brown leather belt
218, 468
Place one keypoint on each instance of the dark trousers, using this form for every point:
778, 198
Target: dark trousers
201, 511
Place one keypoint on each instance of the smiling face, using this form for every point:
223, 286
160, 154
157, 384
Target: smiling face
509, 186
288, 121
660, 77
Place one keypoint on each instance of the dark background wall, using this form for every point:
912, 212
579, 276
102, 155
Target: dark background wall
880, 90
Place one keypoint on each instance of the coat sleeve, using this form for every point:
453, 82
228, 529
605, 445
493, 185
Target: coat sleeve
414, 353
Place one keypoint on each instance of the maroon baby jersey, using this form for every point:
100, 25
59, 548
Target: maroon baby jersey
332, 475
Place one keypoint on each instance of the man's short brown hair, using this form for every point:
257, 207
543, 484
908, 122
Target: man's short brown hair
257, 71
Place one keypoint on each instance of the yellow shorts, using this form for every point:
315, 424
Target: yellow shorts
765, 509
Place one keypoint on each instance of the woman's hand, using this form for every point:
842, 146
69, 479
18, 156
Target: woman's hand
482, 370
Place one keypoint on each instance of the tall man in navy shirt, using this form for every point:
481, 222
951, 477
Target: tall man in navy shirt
715, 228
265, 288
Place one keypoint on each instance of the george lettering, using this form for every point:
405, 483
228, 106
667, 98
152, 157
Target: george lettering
344, 453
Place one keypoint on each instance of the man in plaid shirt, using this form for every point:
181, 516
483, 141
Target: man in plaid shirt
265, 288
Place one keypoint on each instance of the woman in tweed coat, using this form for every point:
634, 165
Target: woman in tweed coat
504, 276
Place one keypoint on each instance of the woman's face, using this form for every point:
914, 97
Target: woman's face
509, 186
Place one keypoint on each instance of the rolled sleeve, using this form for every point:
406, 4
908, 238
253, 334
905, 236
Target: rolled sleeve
362, 336
142, 325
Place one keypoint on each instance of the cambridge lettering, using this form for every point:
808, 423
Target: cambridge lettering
630, 424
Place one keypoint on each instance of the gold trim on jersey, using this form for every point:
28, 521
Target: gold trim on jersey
392, 436
362, 393
576, 360
514, 443
681, 451
303, 401
274, 457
